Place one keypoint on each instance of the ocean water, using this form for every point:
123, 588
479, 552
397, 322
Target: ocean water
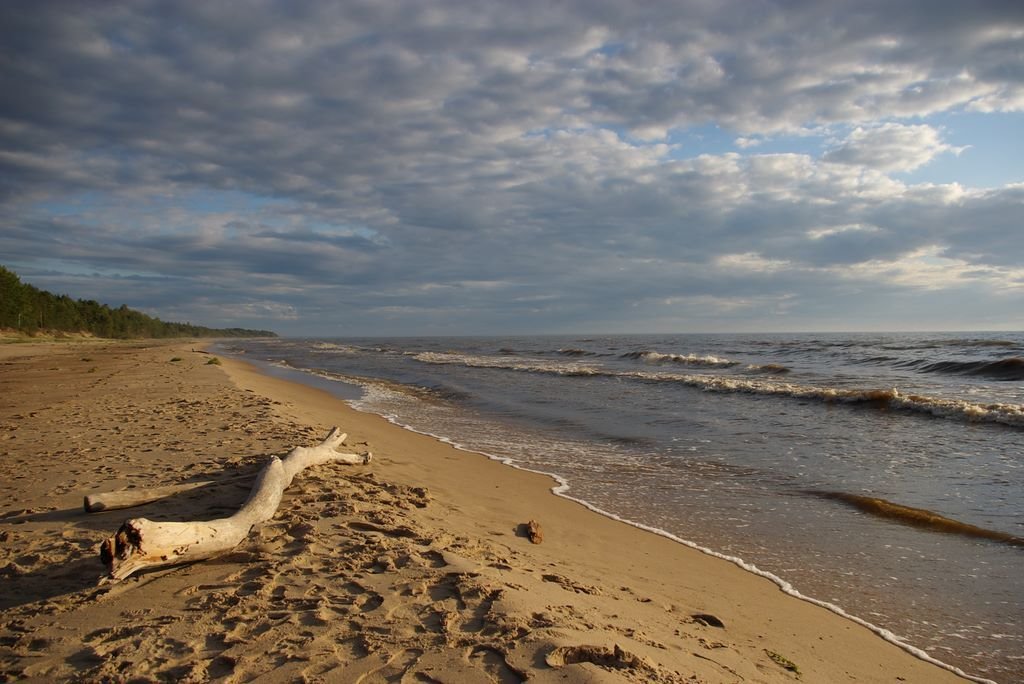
882, 474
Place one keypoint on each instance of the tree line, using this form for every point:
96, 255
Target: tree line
28, 309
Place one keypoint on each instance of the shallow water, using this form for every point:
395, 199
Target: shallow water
756, 446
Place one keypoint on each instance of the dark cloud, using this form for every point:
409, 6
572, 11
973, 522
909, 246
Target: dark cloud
495, 166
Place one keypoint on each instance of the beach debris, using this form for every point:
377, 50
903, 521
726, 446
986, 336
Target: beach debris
534, 533
708, 620
783, 662
141, 544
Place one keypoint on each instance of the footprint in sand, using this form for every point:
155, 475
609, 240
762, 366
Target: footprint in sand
571, 585
616, 659
400, 531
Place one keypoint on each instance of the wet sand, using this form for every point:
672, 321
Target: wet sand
415, 567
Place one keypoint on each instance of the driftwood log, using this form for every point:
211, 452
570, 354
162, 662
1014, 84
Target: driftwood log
141, 544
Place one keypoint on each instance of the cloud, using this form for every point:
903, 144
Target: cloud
381, 160
891, 147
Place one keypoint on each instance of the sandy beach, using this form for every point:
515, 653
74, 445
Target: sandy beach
412, 568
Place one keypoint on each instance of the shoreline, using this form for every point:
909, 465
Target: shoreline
414, 563
561, 488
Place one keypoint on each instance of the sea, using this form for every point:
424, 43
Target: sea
879, 475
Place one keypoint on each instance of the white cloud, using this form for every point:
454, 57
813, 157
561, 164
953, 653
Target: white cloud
891, 147
1008, 99
819, 233
928, 268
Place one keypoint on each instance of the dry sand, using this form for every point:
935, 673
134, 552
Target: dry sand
414, 568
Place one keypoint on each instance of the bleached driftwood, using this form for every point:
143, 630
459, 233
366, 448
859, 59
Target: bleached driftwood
127, 498
140, 543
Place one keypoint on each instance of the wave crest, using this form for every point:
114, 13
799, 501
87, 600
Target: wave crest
891, 399
575, 352
1003, 369
769, 369
682, 359
507, 363
1005, 414
331, 348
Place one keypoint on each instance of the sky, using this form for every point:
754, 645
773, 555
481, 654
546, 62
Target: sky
386, 167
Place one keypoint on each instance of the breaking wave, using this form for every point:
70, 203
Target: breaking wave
1005, 414
507, 363
769, 369
331, 348
682, 359
891, 399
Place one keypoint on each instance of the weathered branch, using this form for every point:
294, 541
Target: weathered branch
142, 543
